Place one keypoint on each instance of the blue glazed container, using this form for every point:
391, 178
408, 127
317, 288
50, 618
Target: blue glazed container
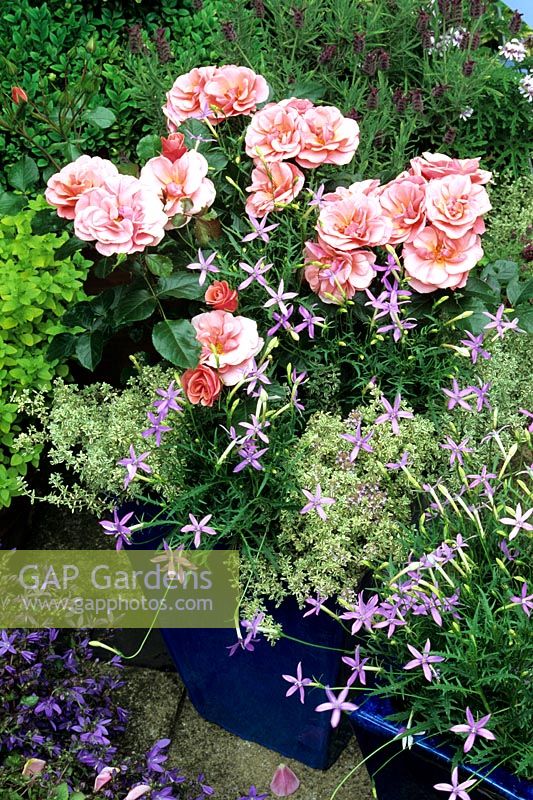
245, 693
411, 774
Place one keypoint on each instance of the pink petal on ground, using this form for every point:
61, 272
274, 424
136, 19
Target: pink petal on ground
284, 781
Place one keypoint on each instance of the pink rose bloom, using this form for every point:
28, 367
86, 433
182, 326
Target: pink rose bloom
354, 221
201, 385
275, 133
187, 98
123, 216
299, 104
369, 188
456, 206
234, 91
335, 276
229, 344
404, 202
438, 165
67, 186
434, 261
181, 185
273, 186
328, 138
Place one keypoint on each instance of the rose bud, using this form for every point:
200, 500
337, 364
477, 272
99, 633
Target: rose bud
201, 385
18, 95
221, 297
173, 147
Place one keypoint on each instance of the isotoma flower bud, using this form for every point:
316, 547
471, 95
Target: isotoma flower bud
18, 95
230, 34
516, 22
91, 45
359, 41
468, 68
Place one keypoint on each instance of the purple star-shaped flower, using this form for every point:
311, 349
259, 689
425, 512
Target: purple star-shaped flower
357, 666
457, 396
362, 612
359, 442
157, 428
260, 229
281, 321
475, 345
6, 643
257, 375
501, 325
473, 729
393, 413
205, 265
316, 502
169, 400
250, 456
518, 521
134, 463
336, 705
256, 428
481, 393
457, 790
298, 683
399, 464
529, 415
255, 273
278, 297
316, 605
524, 600
252, 795
317, 197
118, 528
457, 451
424, 660
482, 480
198, 528
310, 320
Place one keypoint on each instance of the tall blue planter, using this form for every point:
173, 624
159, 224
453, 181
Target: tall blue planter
245, 693
411, 774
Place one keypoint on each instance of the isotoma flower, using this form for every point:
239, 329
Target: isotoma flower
309, 321
359, 442
363, 613
475, 345
278, 297
501, 325
281, 321
205, 265
260, 229
529, 415
250, 456
255, 273
133, 464
157, 428
256, 375
524, 600
336, 705
393, 413
457, 790
316, 502
399, 464
473, 729
256, 428
169, 400
198, 528
357, 666
457, 396
518, 521
424, 660
316, 199
118, 528
482, 480
457, 451
316, 605
298, 683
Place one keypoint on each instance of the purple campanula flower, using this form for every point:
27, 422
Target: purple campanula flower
482, 480
511, 555
260, 229
298, 683
253, 795
198, 528
336, 705
393, 413
155, 758
6, 643
424, 660
473, 729
316, 502
205, 265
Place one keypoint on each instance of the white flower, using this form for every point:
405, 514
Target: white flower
514, 50
466, 113
526, 87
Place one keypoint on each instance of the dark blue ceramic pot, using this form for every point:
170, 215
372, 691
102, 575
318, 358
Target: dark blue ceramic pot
411, 774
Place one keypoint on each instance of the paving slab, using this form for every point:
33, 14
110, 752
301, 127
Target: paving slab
231, 765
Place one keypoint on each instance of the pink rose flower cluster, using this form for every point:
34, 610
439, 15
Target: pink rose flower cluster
123, 214
214, 94
293, 129
229, 345
435, 210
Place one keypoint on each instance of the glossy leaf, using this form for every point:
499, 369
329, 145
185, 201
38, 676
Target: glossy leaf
24, 174
134, 306
159, 265
175, 340
180, 285
89, 347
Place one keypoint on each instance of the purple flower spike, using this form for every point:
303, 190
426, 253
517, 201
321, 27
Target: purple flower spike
473, 729
298, 683
316, 502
